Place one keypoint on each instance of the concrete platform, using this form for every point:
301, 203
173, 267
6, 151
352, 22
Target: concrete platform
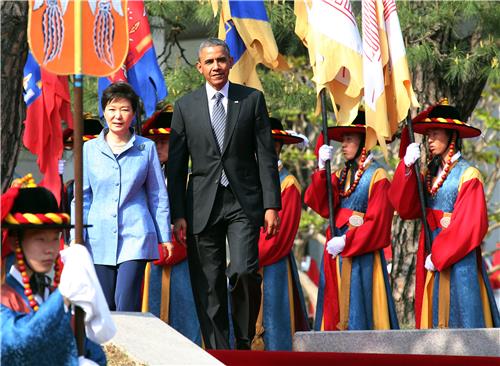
458, 342
148, 340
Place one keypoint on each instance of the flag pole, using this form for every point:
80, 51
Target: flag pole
78, 161
423, 205
328, 167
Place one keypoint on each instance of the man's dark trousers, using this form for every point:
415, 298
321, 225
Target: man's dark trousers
207, 264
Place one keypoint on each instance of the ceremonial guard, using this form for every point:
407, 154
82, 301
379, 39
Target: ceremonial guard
354, 291
167, 285
282, 310
35, 312
92, 127
452, 289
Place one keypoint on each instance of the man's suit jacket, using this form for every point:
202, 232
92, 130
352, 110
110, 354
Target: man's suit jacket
248, 157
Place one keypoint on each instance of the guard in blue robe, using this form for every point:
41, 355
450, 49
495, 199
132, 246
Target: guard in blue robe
35, 322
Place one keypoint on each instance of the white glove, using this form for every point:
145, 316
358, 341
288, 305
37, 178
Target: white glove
60, 166
335, 245
79, 284
428, 264
306, 263
305, 141
412, 154
325, 153
82, 361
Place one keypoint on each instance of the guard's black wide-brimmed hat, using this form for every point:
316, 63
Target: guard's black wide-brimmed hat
357, 126
32, 208
281, 135
443, 115
158, 125
92, 127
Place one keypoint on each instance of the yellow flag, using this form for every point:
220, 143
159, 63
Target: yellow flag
245, 27
328, 29
388, 93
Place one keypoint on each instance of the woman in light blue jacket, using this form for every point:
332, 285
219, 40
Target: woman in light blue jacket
125, 199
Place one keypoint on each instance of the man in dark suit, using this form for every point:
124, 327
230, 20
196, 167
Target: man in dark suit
233, 191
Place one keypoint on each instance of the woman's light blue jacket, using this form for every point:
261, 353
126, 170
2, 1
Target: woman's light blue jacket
125, 200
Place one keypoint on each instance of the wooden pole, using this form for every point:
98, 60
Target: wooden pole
78, 162
421, 196
328, 168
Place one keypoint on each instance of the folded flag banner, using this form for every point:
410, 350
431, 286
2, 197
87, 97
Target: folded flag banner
388, 92
140, 69
328, 29
245, 27
48, 104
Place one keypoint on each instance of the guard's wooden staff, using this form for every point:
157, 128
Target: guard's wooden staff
421, 196
328, 168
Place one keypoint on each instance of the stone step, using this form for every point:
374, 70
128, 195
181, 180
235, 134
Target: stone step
149, 341
459, 342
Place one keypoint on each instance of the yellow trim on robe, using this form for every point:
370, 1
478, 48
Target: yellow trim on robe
426, 318
488, 321
145, 293
378, 175
379, 296
290, 298
444, 299
165, 293
289, 181
258, 339
338, 274
469, 174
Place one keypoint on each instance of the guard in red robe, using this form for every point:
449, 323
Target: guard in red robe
167, 285
354, 291
282, 310
452, 288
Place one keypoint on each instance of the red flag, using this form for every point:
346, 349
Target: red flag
48, 104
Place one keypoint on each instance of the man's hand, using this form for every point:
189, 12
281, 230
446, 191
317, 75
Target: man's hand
271, 222
180, 230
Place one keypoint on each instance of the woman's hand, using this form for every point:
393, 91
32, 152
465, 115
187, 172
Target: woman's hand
168, 249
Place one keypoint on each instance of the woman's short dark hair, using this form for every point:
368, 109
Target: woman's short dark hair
119, 90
